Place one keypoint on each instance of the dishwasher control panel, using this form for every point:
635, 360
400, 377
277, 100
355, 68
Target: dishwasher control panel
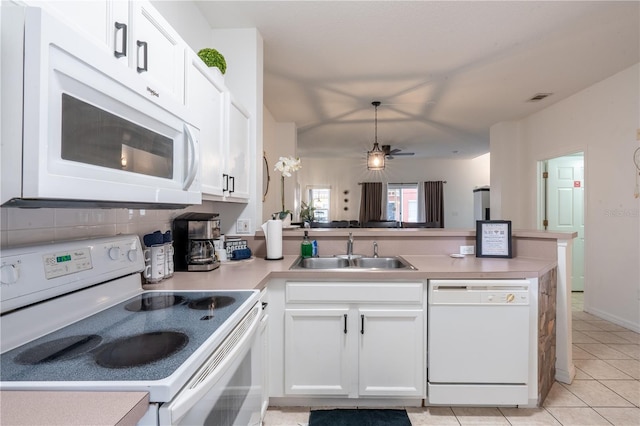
479, 292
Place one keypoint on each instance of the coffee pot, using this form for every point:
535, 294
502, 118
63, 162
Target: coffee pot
194, 234
201, 252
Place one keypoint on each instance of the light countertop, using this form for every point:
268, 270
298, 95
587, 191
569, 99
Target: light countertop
255, 273
72, 408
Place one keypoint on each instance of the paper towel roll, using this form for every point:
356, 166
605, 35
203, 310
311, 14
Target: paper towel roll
273, 234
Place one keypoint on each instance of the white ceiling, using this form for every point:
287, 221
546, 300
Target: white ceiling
445, 71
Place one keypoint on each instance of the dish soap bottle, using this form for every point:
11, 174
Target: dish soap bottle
306, 248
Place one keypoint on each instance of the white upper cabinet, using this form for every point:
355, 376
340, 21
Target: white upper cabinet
106, 22
157, 51
134, 33
225, 143
206, 96
238, 151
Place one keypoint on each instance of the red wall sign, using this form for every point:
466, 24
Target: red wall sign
576, 184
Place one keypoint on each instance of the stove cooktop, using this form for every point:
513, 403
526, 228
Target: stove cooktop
144, 338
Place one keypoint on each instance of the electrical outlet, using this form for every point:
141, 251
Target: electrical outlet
467, 249
243, 226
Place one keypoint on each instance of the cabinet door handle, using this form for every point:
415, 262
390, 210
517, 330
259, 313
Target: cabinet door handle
142, 44
345, 323
361, 324
225, 177
123, 52
233, 184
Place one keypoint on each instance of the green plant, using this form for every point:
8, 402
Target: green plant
213, 58
307, 212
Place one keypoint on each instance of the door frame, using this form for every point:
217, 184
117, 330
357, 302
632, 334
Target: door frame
541, 201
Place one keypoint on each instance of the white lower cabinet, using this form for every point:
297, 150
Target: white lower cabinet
368, 345
390, 355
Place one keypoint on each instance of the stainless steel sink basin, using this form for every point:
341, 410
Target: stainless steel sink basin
395, 262
357, 263
321, 263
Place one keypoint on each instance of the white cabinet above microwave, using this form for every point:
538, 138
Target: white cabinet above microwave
133, 33
91, 133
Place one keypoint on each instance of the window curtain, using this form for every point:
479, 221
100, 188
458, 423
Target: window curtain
385, 200
422, 214
434, 202
371, 202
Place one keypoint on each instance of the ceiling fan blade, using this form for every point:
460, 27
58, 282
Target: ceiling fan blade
405, 153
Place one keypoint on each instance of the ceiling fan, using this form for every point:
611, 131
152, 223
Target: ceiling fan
396, 152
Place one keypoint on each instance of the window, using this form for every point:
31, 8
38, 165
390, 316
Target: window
320, 198
402, 202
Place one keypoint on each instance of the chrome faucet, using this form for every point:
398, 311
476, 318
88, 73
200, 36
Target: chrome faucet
375, 249
350, 245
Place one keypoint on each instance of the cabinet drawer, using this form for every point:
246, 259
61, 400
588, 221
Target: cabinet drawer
345, 292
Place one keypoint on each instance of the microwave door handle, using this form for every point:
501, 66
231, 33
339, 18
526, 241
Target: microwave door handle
195, 158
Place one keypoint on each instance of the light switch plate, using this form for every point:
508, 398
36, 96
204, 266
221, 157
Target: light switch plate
467, 249
243, 226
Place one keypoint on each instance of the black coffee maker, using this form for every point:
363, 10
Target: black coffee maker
193, 236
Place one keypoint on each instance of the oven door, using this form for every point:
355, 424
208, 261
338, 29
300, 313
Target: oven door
227, 390
94, 130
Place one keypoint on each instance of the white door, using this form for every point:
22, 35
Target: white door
316, 355
391, 361
566, 207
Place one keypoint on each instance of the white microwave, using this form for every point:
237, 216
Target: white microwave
91, 131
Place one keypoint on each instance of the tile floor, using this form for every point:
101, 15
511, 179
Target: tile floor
606, 390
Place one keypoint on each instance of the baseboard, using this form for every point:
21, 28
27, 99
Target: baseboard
565, 376
612, 318
344, 402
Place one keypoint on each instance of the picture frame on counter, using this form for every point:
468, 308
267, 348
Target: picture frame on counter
493, 238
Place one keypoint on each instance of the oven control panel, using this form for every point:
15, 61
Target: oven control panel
67, 262
32, 274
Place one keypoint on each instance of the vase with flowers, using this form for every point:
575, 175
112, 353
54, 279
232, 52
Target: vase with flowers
286, 166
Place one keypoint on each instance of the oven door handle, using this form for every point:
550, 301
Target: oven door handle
214, 368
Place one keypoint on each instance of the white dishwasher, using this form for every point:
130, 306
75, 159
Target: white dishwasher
478, 342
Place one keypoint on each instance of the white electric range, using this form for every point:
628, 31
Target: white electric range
75, 317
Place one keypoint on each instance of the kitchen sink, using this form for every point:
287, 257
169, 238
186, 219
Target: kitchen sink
321, 263
354, 263
395, 262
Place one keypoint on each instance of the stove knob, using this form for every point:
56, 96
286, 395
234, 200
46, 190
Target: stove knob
114, 253
132, 255
8, 274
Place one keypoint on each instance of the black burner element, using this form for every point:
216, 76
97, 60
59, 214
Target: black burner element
209, 303
59, 349
141, 349
150, 302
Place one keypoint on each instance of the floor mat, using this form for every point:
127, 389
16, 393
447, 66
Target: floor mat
363, 417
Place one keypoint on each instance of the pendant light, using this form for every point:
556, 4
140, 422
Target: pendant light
375, 157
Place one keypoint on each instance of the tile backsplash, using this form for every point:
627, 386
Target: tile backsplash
29, 226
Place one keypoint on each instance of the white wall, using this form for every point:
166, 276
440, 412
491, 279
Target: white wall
280, 140
341, 175
187, 20
601, 121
